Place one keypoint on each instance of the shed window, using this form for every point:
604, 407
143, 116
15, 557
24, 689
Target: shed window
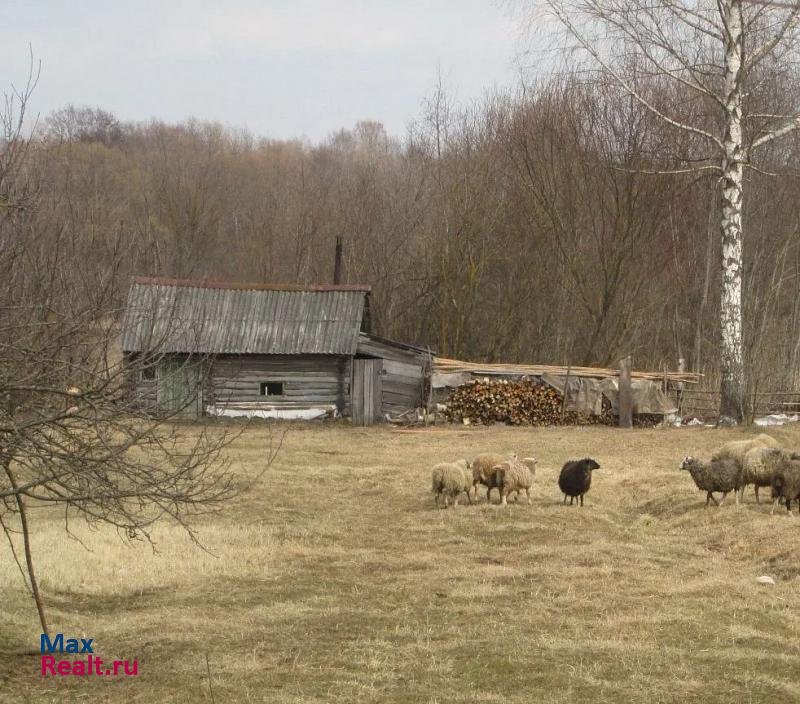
272, 388
149, 373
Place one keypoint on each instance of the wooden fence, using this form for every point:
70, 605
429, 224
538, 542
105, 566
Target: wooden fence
705, 404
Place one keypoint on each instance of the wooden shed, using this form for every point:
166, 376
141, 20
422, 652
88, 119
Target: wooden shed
202, 347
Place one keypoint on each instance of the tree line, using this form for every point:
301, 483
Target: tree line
530, 226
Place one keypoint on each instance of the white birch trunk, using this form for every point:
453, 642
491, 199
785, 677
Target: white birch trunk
733, 396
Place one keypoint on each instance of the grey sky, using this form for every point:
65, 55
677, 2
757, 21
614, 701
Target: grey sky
281, 68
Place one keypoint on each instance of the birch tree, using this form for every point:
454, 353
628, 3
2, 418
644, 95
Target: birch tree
713, 58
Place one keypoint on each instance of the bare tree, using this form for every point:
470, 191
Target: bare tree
84, 124
716, 57
73, 436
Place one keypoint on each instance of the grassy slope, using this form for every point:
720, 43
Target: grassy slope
335, 580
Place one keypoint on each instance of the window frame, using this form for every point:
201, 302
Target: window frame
264, 388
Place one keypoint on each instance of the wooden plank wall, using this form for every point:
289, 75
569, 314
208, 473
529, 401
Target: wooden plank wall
366, 391
144, 392
403, 374
308, 380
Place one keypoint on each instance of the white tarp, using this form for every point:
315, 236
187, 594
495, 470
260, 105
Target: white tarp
776, 419
273, 413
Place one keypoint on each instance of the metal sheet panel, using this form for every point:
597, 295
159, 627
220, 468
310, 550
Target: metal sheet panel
166, 317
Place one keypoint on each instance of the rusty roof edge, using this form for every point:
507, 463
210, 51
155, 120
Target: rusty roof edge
210, 283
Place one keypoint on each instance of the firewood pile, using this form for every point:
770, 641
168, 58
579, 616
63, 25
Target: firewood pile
528, 401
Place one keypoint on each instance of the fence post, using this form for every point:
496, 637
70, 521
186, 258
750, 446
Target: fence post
680, 386
625, 394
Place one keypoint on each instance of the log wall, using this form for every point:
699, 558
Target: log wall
308, 380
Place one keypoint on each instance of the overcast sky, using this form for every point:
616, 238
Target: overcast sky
281, 68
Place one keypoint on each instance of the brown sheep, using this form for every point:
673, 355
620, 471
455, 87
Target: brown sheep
482, 470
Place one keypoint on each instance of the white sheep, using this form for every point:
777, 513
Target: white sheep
483, 470
450, 479
737, 449
513, 476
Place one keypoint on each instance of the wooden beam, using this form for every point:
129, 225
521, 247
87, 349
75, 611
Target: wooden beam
625, 394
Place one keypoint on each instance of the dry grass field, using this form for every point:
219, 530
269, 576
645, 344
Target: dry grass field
336, 580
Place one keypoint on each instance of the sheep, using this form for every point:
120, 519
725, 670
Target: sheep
482, 470
513, 476
737, 449
576, 478
724, 475
450, 479
786, 482
759, 465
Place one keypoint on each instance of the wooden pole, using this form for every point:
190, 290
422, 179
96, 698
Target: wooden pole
625, 394
680, 385
428, 378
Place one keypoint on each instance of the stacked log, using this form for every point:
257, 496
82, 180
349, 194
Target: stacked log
524, 402
528, 401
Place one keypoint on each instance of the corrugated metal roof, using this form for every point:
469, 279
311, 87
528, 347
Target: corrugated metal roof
174, 315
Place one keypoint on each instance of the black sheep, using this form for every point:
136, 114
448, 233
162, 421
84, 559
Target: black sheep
576, 478
786, 483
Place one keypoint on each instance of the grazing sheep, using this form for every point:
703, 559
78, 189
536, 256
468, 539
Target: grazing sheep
737, 449
482, 470
450, 479
786, 483
724, 475
576, 478
759, 465
513, 476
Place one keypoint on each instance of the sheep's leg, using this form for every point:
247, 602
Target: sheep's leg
446, 501
436, 498
489, 494
528, 492
724, 496
469, 497
502, 497
757, 499
774, 504
565, 499
581, 499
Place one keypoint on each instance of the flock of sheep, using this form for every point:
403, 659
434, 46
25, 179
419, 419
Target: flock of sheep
508, 474
759, 461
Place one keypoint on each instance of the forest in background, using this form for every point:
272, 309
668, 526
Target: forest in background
523, 227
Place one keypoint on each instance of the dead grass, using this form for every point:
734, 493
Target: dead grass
336, 580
